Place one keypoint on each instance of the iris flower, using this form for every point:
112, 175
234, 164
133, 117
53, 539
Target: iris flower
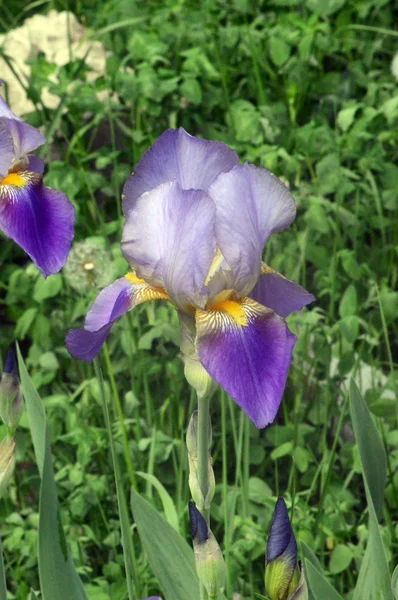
37, 218
196, 225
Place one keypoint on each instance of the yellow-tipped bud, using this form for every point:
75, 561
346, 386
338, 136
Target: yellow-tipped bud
210, 564
284, 579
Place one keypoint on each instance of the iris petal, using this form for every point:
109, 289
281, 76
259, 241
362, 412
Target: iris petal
26, 138
6, 150
110, 304
169, 240
247, 349
251, 204
39, 219
280, 294
178, 156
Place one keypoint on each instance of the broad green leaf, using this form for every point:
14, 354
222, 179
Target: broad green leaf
319, 586
394, 583
170, 557
3, 581
349, 302
341, 559
58, 576
167, 501
308, 555
47, 288
371, 449
279, 50
374, 575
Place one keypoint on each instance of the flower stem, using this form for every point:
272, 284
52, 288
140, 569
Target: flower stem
203, 449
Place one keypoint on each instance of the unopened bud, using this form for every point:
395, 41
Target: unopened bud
193, 481
192, 445
192, 434
198, 377
209, 560
11, 402
7, 463
284, 579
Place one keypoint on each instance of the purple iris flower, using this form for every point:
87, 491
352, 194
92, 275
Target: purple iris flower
196, 225
38, 218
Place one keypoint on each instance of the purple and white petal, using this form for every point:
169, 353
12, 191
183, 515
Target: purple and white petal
26, 138
178, 156
35, 164
251, 204
169, 240
110, 304
281, 295
38, 218
247, 349
6, 150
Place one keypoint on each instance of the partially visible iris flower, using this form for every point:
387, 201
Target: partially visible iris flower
37, 218
196, 225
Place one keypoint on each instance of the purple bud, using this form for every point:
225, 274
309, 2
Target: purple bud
199, 527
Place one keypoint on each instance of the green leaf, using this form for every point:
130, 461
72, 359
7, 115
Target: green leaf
346, 117
349, 302
319, 586
374, 575
167, 501
394, 583
170, 557
371, 449
3, 581
58, 576
341, 558
282, 450
24, 323
47, 288
279, 51
308, 555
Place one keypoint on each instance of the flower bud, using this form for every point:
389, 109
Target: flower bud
192, 440
284, 579
209, 560
192, 445
7, 463
198, 377
11, 402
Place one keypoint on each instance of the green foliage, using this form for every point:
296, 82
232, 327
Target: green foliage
304, 89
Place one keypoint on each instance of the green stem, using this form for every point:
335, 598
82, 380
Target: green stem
127, 541
119, 411
203, 449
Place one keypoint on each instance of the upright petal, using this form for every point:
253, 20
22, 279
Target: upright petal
169, 240
110, 304
178, 156
6, 150
247, 349
251, 204
26, 138
278, 293
39, 219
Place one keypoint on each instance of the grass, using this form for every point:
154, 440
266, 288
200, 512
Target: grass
307, 92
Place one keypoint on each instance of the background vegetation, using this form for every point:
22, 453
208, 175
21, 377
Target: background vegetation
306, 90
